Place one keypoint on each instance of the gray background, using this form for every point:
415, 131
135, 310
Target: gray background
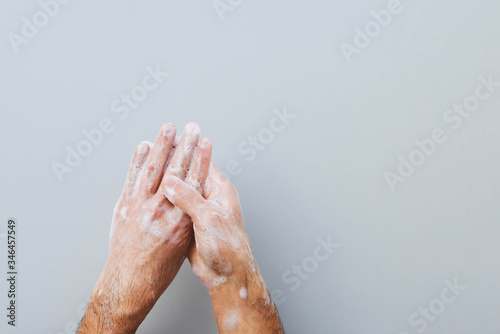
323, 175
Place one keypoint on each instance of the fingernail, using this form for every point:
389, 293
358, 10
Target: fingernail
192, 128
168, 130
143, 148
204, 143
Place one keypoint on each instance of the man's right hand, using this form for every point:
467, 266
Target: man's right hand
221, 255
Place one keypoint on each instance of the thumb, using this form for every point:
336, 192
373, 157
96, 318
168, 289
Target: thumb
192, 252
180, 194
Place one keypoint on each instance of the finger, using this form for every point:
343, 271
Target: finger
157, 160
197, 265
194, 258
183, 196
136, 167
200, 165
179, 164
215, 181
192, 251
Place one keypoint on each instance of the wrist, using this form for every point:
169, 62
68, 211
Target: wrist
243, 304
240, 288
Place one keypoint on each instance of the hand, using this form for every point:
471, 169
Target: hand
149, 236
221, 255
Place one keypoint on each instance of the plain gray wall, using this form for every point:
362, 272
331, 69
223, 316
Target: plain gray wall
323, 175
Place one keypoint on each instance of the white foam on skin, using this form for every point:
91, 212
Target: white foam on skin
170, 194
154, 228
113, 222
143, 148
216, 232
222, 234
210, 246
143, 151
192, 137
157, 224
192, 179
267, 297
171, 154
107, 310
193, 129
123, 212
135, 189
193, 183
163, 225
253, 264
243, 293
218, 280
214, 279
175, 169
168, 131
150, 187
231, 320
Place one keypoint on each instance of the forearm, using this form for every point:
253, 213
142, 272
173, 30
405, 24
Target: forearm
113, 308
243, 305
100, 318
